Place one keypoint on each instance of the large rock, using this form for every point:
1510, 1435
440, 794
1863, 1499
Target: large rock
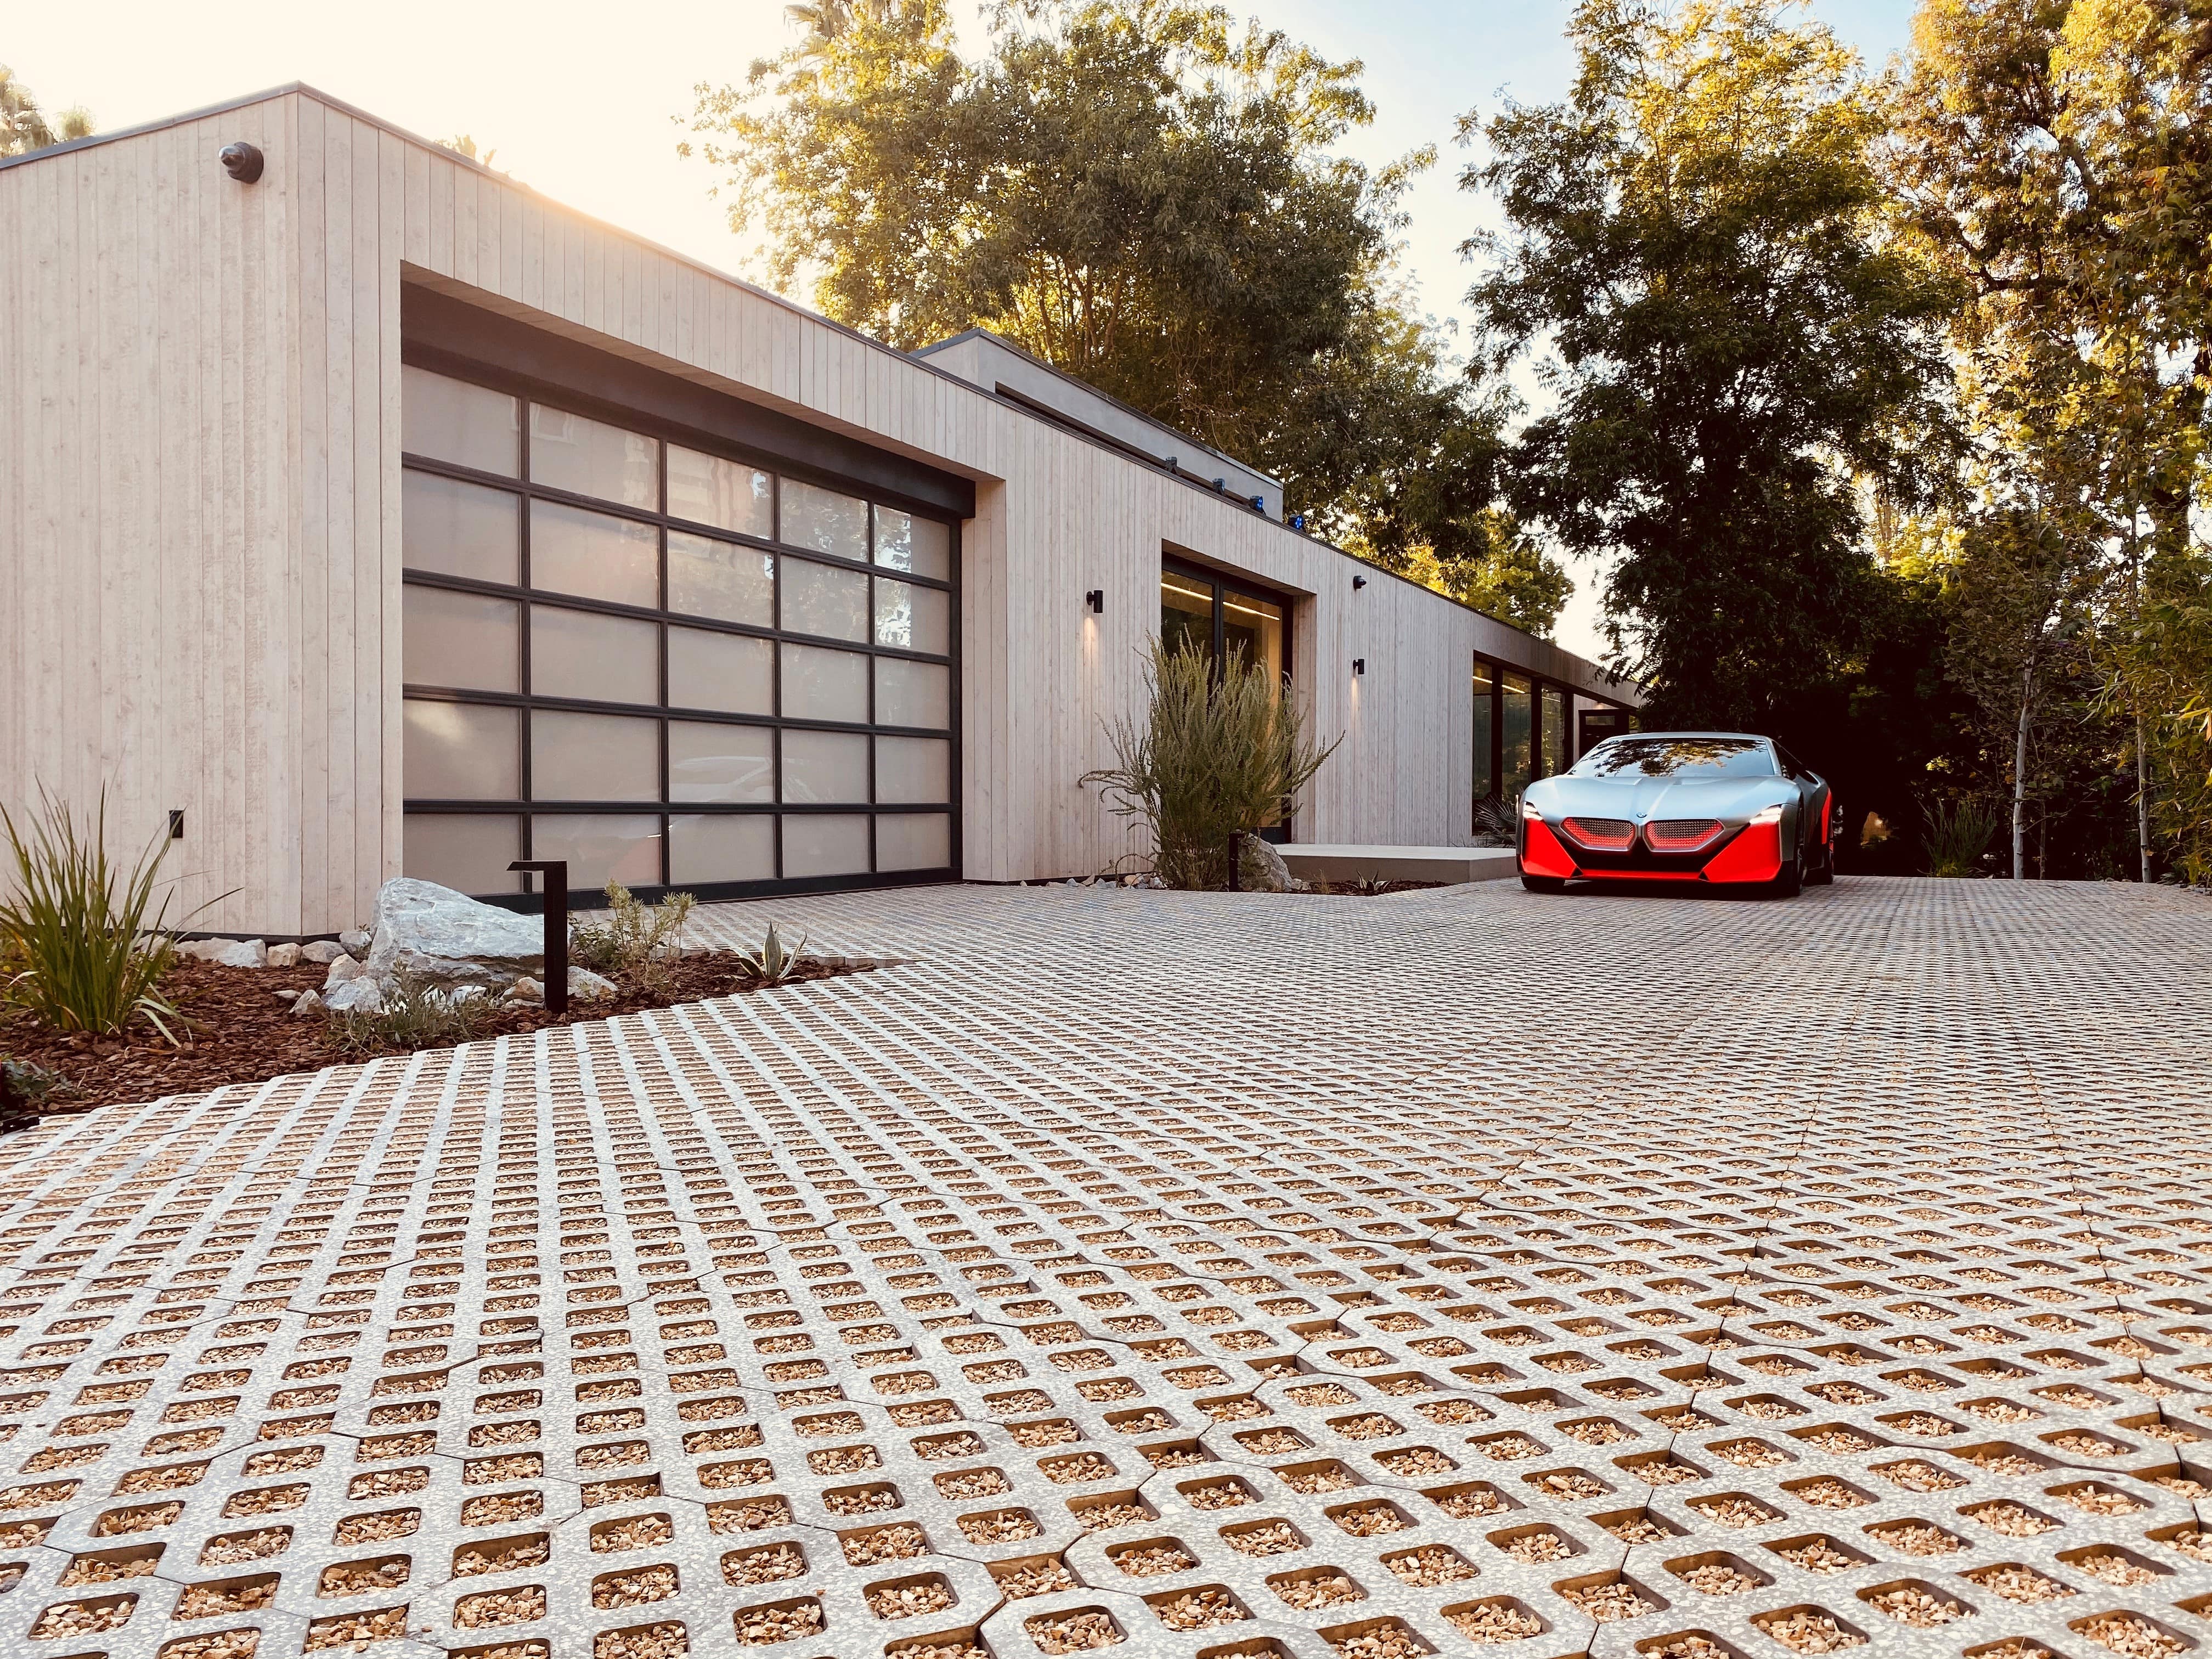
343, 968
440, 934
363, 995
324, 950
228, 952
1261, 869
284, 956
583, 982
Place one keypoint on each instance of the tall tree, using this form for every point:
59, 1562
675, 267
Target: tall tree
1147, 196
25, 126
1692, 232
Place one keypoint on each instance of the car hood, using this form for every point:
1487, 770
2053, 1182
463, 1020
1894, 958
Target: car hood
1640, 799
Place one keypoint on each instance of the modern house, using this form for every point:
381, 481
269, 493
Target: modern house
363, 512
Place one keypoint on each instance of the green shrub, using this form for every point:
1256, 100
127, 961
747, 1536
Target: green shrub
79, 951
1956, 834
637, 940
775, 961
1219, 754
418, 1013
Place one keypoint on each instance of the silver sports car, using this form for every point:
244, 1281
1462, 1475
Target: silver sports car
1704, 806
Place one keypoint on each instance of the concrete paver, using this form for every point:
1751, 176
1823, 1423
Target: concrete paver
1200, 1275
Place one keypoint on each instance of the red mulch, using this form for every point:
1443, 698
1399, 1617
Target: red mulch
240, 1032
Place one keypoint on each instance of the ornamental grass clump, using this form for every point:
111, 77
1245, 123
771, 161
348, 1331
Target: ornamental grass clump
1957, 833
82, 945
1219, 755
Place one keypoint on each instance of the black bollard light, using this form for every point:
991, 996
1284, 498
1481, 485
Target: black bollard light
555, 871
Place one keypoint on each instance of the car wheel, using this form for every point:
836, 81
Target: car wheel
1544, 884
1789, 883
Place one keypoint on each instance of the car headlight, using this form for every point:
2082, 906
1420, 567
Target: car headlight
1529, 810
1767, 815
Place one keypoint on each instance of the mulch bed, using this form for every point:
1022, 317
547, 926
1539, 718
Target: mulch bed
240, 1032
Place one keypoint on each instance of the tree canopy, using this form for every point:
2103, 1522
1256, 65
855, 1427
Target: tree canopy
25, 125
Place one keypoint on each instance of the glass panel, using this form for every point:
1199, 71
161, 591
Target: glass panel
591, 458
1186, 613
728, 495
724, 671
1555, 731
450, 420
721, 846
923, 546
912, 694
817, 599
461, 751
460, 639
718, 579
593, 758
600, 846
824, 521
825, 844
459, 529
913, 841
720, 762
826, 766
917, 769
1518, 714
1485, 730
574, 653
1252, 629
593, 556
468, 852
913, 618
824, 685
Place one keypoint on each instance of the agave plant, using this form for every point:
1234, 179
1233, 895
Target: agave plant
775, 961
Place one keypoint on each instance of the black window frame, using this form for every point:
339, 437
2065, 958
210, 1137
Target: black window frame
526, 809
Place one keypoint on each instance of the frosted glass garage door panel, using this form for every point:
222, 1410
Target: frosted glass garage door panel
816, 599
593, 758
720, 580
725, 763
825, 521
460, 639
825, 767
727, 846
462, 751
914, 693
590, 458
728, 495
913, 618
827, 844
575, 654
450, 420
593, 556
914, 770
923, 546
824, 685
600, 846
459, 529
467, 852
726, 672
914, 840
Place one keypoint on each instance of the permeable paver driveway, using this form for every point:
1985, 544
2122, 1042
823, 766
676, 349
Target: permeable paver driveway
1211, 1274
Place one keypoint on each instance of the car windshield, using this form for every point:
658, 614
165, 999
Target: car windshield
1678, 757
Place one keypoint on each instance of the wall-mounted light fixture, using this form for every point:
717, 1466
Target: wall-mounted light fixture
1259, 503
1095, 601
1359, 665
176, 823
242, 162
1359, 582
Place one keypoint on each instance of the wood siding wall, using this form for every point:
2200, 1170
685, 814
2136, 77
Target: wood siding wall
199, 519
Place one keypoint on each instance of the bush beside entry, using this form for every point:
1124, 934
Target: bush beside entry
1219, 754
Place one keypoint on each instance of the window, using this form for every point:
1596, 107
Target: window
1516, 746
1223, 618
663, 664
1552, 732
1485, 730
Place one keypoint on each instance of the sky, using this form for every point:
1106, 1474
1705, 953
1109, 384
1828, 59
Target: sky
584, 103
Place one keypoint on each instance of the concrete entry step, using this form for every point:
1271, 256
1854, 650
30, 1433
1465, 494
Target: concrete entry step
1345, 861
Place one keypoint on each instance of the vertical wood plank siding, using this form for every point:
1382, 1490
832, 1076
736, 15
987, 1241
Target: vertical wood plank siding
199, 517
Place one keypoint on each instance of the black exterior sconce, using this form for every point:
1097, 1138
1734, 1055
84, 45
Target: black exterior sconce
1359, 582
242, 162
1095, 601
1359, 665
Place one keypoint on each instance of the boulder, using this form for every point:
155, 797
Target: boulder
324, 950
345, 968
361, 995
284, 956
353, 942
440, 934
525, 989
1259, 867
583, 982
308, 1002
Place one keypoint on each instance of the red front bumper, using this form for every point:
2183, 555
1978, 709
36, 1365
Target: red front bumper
1751, 854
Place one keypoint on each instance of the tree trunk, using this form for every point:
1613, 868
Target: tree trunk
2019, 778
